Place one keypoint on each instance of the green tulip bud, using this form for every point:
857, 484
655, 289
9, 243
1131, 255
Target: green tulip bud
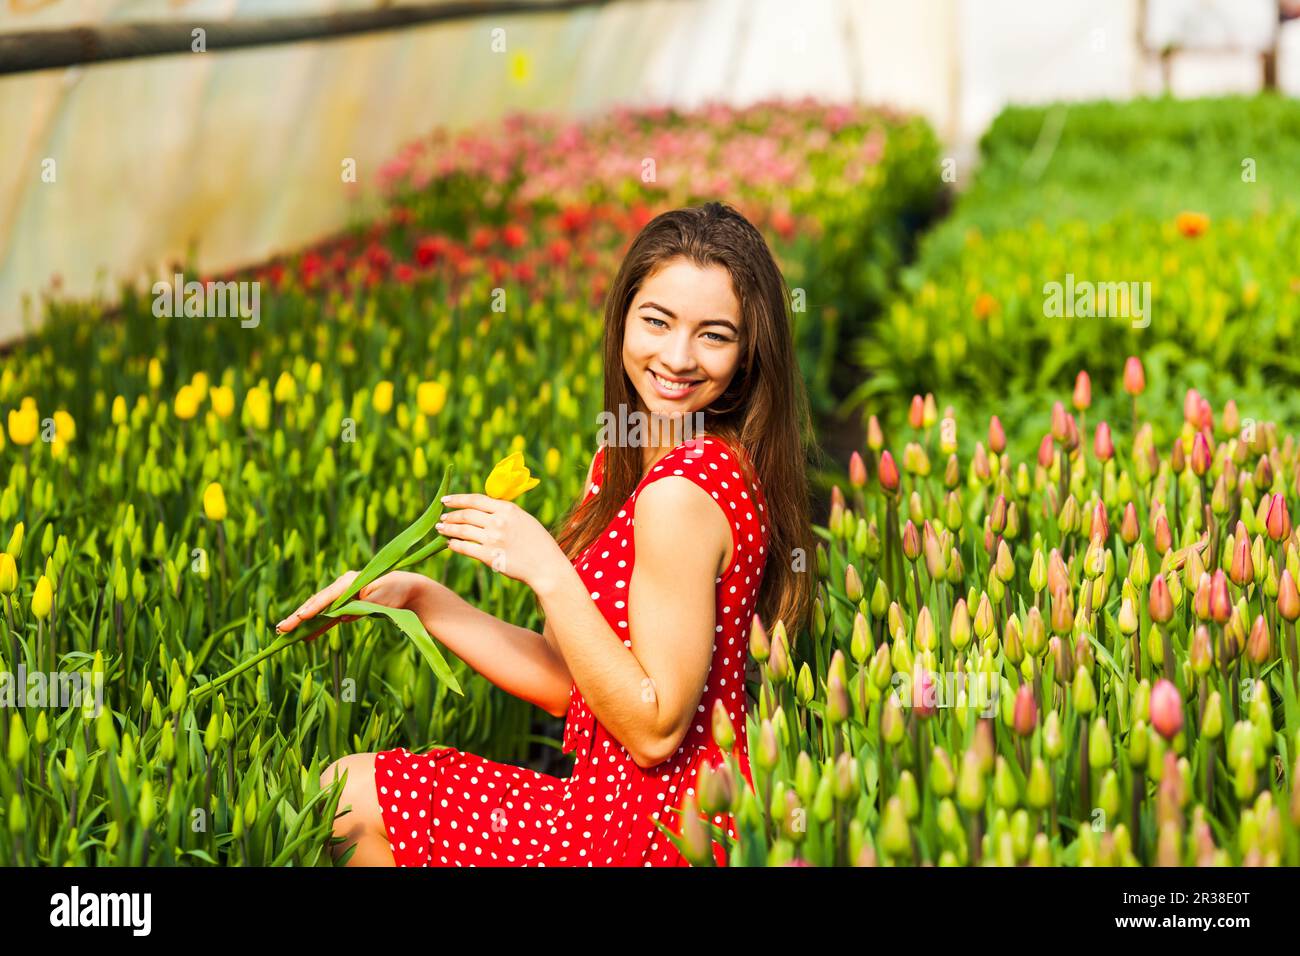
1038, 793
1053, 743
970, 782
1084, 695
942, 777
1100, 752
1005, 791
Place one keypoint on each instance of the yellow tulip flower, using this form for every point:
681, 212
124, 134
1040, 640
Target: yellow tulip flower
8, 574
214, 502
119, 410
286, 389
223, 400
510, 478
23, 425
257, 406
64, 426
155, 373
431, 397
199, 382
552, 461
42, 599
382, 399
186, 405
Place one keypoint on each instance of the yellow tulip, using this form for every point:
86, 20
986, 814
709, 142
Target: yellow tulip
155, 373
286, 389
223, 400
552, 461
64, 426
42, 599
431, 396
119, 410
23, 425
257, 406
8, 574
15, 547
314, 377
186, 405
382, 400
214, 502
510, 478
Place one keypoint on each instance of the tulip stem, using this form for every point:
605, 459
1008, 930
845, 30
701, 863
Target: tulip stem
1295, 653
1139, 793
1085, 791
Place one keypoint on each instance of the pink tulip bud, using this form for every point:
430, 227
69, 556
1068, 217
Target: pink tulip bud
1220, 599
1231, 417
1082, 391
1279, 519
1259, 645
1135, 379
1192, 406
1166, 709
997, 436
888, 472
1205, 416
916, 415
857, 471
1102, 445
911, 541
1100, 524
1161, 603
1288, 597
875, 437
1026, 713
1201, 455
1164, 537
1129, 529
1071, 433
1243, 567
1060, 429
1046, 452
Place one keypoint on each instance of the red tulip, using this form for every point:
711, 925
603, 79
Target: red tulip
1166, 709
1259, 645
1100, 524
1135, 379
1192, 406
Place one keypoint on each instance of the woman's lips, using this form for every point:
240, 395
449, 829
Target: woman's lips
671, 391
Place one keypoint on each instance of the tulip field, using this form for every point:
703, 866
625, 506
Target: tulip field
1063, 637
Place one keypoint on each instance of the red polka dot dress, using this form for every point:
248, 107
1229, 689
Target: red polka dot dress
447, 807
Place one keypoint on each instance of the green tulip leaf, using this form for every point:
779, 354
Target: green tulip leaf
411, 625
389, 555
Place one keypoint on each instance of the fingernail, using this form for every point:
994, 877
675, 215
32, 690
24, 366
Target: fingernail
445, 498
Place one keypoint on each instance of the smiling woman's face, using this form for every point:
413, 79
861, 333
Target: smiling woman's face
681, 341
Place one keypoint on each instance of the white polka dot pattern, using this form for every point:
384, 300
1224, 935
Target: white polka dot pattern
452, 808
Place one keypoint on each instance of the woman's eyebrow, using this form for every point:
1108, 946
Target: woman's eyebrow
673, 315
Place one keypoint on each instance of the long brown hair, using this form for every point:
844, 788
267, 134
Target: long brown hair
764, 410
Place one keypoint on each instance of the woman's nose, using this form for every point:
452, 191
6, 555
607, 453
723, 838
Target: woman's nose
678, 356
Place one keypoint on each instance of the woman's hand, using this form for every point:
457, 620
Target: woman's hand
502, 535
391, 590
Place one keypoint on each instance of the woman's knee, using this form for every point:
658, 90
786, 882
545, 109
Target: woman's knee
358, 799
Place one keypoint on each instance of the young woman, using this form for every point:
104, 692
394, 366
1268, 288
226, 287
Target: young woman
647, 620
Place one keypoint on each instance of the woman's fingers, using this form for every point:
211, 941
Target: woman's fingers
317, 602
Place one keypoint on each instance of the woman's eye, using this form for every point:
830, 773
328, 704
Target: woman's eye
718, 337
651, 318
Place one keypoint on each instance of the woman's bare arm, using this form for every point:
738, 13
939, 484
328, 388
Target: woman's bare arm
519, 661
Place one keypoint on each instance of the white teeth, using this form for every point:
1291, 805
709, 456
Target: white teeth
673, 386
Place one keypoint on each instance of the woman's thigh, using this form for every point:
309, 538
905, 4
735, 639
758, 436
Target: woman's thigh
359, 818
